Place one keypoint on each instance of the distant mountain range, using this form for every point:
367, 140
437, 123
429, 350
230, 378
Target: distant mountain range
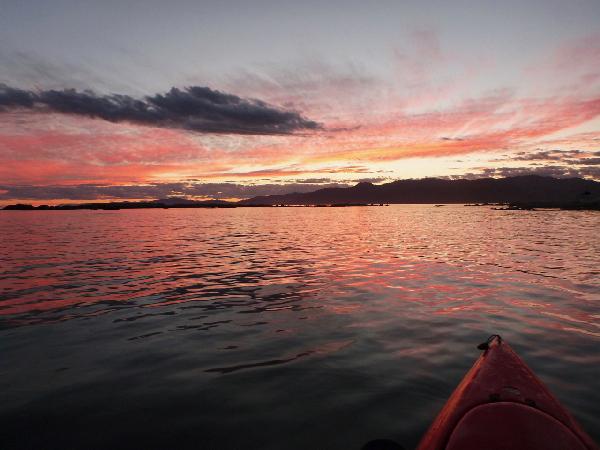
528, 191
528, 188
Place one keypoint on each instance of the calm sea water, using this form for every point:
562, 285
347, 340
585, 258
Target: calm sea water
282, 328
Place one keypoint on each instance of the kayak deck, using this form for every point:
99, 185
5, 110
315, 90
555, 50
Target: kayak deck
501, 404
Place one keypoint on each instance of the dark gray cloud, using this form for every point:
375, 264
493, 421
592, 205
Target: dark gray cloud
451, 139
314, 180
546, 155
86, 192
590, 172
586, 161
11, 97
373, 180
568, 162
193, 108
557, 171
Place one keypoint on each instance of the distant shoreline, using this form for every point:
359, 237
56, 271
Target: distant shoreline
114, 206
519, 206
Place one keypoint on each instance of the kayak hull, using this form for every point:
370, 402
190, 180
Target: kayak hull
502, 404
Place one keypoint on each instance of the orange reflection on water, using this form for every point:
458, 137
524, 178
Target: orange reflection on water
451, 261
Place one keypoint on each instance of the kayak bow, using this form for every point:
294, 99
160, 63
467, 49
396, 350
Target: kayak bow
501, 405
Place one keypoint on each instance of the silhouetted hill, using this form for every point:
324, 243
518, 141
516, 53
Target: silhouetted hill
529, 188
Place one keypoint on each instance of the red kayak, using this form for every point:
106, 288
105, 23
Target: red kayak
501, 405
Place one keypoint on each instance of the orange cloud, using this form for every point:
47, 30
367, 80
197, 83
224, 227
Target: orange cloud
118, 153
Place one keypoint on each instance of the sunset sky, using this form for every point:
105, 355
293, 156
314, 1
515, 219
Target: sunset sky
230, 99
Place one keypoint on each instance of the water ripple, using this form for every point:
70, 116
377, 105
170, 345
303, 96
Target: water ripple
347, 317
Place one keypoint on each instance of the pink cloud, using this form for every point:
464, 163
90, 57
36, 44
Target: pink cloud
572, 68
580, 53
118, 153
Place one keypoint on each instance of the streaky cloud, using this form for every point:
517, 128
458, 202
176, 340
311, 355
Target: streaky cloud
556, 171
564, 157
193, 108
